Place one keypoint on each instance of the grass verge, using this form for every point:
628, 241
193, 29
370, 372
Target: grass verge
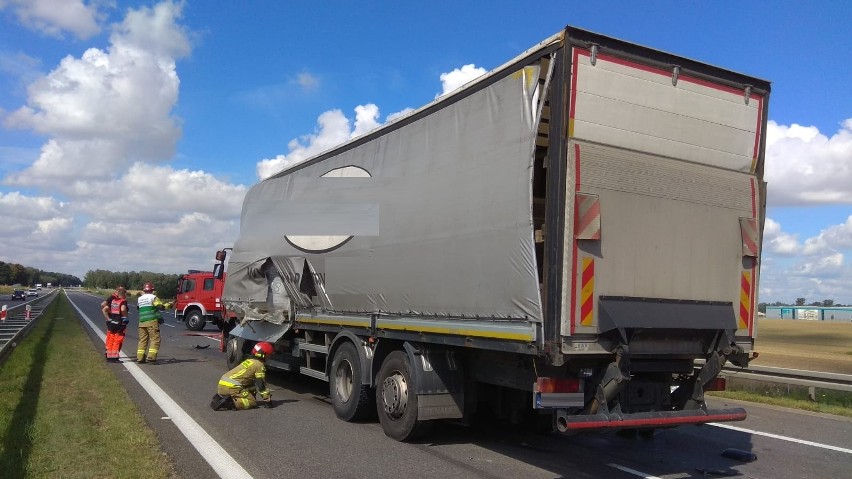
827, 402
63, 413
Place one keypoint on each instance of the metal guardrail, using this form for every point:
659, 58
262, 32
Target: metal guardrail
797, 377
16, 326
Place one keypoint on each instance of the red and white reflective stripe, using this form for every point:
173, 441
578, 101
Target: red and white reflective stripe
748, 230
3, 313
587, 219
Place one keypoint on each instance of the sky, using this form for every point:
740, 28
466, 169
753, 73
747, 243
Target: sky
130, 131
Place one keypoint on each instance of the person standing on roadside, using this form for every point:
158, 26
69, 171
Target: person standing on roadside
114, 310
149, 325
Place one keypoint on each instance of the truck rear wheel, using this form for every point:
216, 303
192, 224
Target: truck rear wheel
396, 399
195, 321
234, 351
351, 399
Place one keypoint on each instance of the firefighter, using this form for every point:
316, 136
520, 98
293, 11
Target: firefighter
238, 387
114, 310
150, 320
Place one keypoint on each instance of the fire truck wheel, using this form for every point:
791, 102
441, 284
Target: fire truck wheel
195, 321
396, 400
351, 399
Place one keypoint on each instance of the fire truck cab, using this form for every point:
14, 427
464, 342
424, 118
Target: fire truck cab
199, 300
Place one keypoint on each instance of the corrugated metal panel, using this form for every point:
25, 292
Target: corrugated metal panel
636, 107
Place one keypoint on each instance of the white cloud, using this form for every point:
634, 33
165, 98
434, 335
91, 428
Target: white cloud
333, 128
107, 116
32, 224
830, 239
107, 109
160, 193
366, 119
307, 81
816, 269
459, 77
804, 166
777, 241
52, 17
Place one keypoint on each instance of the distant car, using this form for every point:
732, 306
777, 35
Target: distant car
18, 294
32, 292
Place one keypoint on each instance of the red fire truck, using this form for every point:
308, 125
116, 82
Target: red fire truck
199, 300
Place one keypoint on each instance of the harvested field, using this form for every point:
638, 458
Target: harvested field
811, 345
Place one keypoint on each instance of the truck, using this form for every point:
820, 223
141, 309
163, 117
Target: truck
571, 241
198, 300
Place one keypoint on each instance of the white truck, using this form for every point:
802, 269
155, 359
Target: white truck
556, 242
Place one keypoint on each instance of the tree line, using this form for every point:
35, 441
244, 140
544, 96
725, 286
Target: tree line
165, 284
16, 274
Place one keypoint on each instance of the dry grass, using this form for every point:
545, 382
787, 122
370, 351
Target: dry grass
811, 345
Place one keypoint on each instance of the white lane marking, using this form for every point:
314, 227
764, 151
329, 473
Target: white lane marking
783, 438
633, 471
215, 455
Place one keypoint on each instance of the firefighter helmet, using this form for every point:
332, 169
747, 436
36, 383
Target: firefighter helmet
148, 288
262, 350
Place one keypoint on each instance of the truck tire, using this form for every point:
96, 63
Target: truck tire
352, 400
195, 321
396, 400
234, 351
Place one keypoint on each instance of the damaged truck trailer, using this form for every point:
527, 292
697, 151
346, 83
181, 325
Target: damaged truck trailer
556, 242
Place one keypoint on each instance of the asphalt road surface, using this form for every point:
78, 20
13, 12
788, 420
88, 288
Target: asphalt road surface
301, 437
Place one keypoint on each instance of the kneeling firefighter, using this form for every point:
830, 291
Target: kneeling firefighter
238, 387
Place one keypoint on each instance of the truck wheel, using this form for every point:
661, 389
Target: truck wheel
195, 321
397, 401
351, 399
234, 351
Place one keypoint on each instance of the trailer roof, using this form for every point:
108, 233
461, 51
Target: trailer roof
576, 36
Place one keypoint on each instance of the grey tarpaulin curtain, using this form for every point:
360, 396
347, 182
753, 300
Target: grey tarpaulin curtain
441, 226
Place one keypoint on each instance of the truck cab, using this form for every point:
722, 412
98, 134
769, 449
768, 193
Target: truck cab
199, 300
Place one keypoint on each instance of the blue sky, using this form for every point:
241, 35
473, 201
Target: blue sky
130, 130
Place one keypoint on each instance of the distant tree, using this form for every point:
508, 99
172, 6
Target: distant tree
761, 307
828, 302
815, 303
18, 274
800, 301
5, 273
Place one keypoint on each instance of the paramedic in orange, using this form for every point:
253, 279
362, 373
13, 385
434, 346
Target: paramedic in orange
114, 310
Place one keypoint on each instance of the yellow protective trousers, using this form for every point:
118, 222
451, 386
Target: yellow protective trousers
149, 339
244, 398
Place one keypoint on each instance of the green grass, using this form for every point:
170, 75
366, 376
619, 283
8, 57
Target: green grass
63, 413
827, 402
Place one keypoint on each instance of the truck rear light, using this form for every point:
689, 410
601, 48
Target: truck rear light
551, 393
716, 384
557, 385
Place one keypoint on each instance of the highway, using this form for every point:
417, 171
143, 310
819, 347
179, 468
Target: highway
301, 437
